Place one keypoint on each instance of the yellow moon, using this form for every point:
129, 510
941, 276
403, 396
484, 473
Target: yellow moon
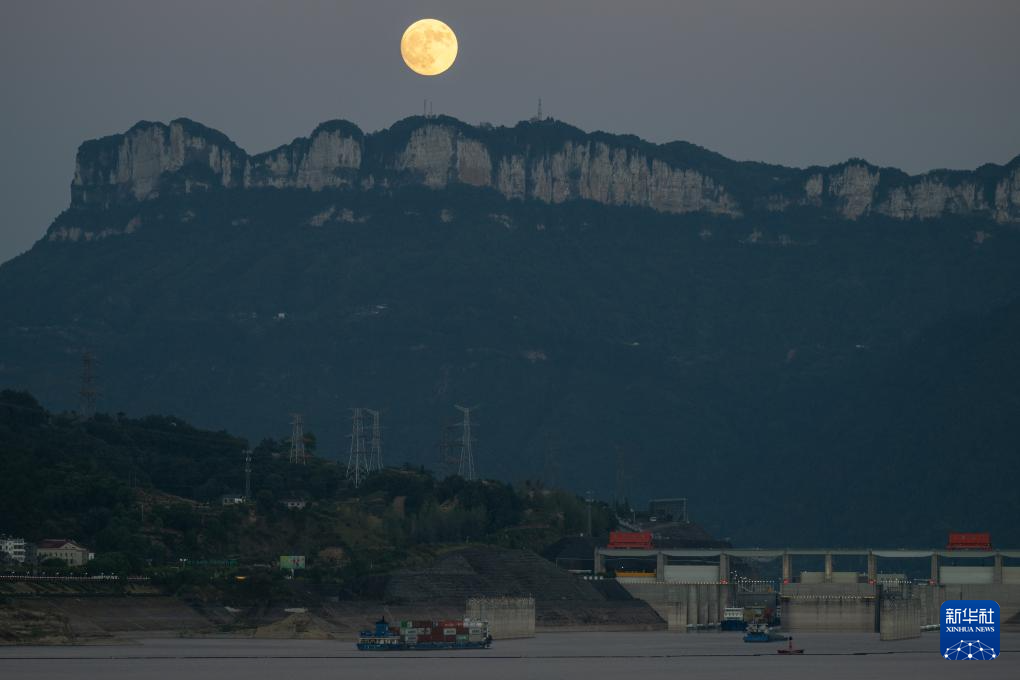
428, 47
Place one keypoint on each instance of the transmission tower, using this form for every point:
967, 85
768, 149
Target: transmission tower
375, 461
357, 461
297, 439
247, 475
466, 469
88, 393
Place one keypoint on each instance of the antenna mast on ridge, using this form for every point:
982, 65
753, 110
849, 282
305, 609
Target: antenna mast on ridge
538, 116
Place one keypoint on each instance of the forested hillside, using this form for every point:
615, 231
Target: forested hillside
146, 492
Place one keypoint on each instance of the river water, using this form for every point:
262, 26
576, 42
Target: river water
591, 656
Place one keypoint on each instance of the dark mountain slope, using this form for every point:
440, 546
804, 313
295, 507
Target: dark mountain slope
744, 343
706, 349
931, 445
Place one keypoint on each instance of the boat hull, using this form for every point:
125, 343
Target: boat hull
764, 637
419, 646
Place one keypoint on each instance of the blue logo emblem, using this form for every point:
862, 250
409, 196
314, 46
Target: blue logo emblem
969, 630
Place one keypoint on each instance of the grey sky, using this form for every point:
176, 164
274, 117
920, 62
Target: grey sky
917, 84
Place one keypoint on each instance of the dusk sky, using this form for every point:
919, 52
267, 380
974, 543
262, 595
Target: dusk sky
917, 84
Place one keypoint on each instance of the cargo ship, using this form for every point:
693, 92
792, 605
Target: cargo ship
422, 635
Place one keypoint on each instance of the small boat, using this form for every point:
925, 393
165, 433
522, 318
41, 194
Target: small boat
759, 631
789, 648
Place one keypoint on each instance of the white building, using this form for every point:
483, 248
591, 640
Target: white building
65, 549
14, 547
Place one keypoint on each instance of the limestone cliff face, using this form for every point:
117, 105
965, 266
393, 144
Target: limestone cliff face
329, 158
544, 161
618, 176
929, 198
854, 190
1007, 197
131, 165
440, 154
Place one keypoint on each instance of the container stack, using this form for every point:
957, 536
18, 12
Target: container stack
443, 633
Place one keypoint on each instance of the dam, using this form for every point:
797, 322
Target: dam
815, 589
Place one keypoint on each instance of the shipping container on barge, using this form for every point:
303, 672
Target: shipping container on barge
423, 635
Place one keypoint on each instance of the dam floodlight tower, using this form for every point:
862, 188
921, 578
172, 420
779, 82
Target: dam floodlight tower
247, 475
357, 460
466, 469
375, 461
297, 439
87, 392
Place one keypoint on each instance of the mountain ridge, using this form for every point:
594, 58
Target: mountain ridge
544, 160
719, 356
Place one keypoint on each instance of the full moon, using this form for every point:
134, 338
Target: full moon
428, 47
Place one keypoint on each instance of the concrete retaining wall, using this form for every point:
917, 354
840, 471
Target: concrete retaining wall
843, 607
682, 604
900, 620
508, 617
836, 615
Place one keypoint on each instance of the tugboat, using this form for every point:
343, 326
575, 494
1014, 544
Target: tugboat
381, 639
759, 631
